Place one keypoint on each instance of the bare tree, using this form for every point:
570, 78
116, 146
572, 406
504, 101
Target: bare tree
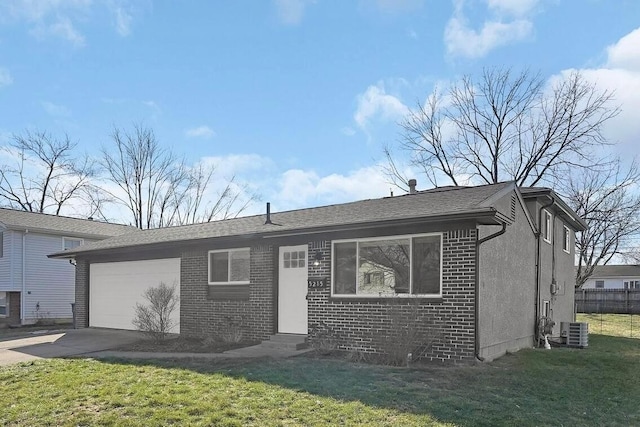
505, 126
608, 200
46, 174
158, 188
511, 126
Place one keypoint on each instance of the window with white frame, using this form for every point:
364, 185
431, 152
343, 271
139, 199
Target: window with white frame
566, 239
632, 284
70, 243
229, 267
294, 259
546, 309
547, 222
599, 284
402, 265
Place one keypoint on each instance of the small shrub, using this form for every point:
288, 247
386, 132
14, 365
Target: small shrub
232, 330
410, 335
155, 319
323, 338
43, 318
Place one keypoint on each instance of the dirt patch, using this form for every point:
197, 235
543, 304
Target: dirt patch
185, 345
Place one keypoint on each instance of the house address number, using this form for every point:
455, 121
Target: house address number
317, 283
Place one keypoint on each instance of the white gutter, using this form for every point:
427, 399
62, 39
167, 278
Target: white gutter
24, 278
12, 262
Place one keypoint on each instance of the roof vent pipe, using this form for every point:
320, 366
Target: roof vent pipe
268, 220
412, 186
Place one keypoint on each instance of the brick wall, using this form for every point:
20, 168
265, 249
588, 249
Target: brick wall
205, 315
361, 324
82, 294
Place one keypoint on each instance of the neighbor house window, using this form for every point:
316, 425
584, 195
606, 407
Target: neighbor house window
632, 284
546, 226
566, 239
599, 284
229, 267
69, 243
390, 266
3, 304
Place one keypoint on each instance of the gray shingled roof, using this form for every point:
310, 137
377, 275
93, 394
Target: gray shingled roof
577, 222
53, 224
615, 271
427, 204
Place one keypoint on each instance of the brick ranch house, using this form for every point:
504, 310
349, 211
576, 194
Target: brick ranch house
477, 265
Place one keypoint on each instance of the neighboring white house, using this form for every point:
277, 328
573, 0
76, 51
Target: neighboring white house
32, 286
614, 277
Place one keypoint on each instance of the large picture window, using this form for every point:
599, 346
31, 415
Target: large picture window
408, 265
229, 267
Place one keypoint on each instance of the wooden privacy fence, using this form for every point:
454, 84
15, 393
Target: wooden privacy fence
619, 301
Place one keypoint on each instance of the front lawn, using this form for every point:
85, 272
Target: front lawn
593, 386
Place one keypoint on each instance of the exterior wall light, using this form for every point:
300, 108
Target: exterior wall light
317, 257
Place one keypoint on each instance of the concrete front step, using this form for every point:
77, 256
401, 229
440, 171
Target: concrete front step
286, 341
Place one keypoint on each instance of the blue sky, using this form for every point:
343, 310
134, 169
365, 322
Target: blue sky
295, 98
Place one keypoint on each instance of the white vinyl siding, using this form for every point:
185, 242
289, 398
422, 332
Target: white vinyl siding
11, 262
50, 283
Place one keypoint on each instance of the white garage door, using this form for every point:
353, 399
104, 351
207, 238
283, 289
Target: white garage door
116, 287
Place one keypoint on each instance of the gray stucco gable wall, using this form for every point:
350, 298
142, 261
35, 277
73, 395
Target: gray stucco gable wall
506, 284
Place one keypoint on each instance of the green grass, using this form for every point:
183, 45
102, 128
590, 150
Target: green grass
617, 325
592, 386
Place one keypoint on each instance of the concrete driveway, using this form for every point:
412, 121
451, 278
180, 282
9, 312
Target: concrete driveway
72, 342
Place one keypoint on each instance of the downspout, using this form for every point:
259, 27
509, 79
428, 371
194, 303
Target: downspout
538, 235
477, 290
24, 278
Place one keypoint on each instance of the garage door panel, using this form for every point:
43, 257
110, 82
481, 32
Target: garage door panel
116, 287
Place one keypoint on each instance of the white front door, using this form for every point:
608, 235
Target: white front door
292, 290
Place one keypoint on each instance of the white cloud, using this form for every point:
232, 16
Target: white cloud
200, 132
240, 164
5, 77
55, 110
626, 52
512, 7
348, 131
297, 188
290, 12
65, 29
61, 18
50, 18
463, 40
304, 188
398, 6
620, 74
123, 21
375, 102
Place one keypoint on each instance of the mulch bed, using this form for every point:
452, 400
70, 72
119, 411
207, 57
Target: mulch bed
185, 345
